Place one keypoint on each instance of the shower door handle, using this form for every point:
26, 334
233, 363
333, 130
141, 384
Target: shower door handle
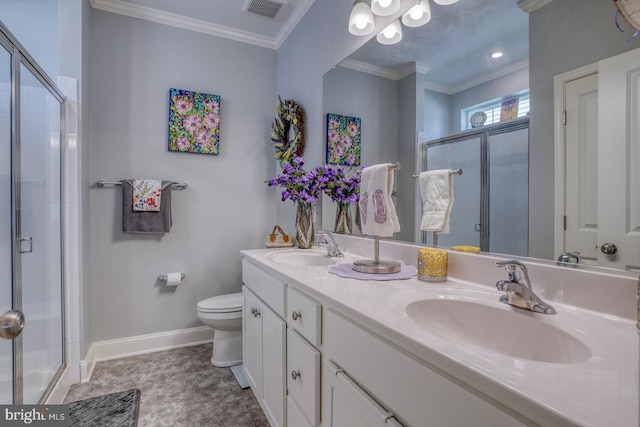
11, 324
25, 239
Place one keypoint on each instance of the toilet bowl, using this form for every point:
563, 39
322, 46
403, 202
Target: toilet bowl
224, 314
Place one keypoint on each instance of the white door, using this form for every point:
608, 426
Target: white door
619, 161
581, 154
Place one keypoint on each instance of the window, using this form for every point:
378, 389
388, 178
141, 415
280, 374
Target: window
493, 108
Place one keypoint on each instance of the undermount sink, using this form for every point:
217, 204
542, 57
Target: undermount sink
499, 329
308, 257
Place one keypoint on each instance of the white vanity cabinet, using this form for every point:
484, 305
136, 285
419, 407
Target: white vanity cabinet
304, 323
398, 385
264, 341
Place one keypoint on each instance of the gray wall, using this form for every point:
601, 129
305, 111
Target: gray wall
563, 35
226, 207
437, 116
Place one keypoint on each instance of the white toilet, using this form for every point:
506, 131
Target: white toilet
224, 314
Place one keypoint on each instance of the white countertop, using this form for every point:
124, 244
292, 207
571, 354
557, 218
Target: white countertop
600, 392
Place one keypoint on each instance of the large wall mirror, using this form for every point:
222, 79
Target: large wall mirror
544, 196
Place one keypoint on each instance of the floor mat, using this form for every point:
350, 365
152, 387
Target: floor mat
111, 410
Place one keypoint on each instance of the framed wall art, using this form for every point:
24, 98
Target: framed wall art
194, 122
343, 140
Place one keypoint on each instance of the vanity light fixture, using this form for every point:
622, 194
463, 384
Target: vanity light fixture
446, 2
418, 15
385, 7
390, 35
361, 19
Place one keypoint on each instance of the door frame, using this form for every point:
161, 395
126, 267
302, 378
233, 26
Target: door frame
559, 142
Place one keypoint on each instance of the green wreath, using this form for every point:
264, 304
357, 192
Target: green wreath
288, 130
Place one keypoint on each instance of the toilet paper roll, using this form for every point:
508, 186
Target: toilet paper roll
174, 279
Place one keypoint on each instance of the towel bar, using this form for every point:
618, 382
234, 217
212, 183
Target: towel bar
176, 186
163, 276
453, 172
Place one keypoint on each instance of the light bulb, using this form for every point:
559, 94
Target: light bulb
384, 3
385, 7
392, 34
389, 32
361, 19
418, 15
416, 12
360, 22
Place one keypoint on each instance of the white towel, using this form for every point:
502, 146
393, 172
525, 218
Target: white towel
377, 212
147, 195
436, 190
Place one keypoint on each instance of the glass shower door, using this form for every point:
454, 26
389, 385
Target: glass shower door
6, 210
39, 235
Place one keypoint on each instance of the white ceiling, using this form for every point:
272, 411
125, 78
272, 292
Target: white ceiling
452, 49
223, 18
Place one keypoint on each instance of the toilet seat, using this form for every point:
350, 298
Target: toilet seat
229, 303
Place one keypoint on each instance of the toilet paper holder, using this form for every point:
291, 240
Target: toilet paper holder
163, 276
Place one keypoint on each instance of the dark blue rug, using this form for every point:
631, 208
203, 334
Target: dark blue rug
111, 410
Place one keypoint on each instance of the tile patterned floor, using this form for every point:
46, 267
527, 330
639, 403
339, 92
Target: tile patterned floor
179, 387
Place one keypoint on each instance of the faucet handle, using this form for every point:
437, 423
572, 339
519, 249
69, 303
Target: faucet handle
512, 265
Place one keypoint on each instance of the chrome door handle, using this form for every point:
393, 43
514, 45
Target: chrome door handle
609, 248
11, 324
25, 239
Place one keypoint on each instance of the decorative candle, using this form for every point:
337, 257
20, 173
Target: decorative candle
432, 265
467, 249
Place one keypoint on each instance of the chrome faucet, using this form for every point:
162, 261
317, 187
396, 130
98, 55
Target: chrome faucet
518, 293
329, 243
569, 258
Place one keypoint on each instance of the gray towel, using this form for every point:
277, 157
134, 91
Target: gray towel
146, 222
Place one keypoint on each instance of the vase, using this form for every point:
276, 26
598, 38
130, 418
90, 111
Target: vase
305, 234
343, 225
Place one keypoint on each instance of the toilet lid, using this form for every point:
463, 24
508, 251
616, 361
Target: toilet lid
222, 303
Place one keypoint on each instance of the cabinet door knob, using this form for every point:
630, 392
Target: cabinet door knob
253, 311
296, 315
295, 375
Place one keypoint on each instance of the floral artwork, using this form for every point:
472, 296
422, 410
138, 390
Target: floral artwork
343, 140
194, 122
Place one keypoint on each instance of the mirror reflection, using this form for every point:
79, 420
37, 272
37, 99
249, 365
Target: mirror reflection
438, 100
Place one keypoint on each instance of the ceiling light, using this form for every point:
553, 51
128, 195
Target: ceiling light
390, 35
446, 2
418, 15
497, 54
361, 19
385, 7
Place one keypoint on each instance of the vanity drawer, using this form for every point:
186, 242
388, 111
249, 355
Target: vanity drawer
304, 315
303, 376
268, 288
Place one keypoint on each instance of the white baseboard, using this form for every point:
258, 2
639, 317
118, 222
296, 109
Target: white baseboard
142, 344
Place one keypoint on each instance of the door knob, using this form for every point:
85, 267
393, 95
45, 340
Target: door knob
609, 248
11, 324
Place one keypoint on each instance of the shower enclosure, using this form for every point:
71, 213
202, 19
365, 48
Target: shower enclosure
32, 354
491, 197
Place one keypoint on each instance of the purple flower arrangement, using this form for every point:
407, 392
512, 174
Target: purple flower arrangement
303, 186
298, 184
340, 187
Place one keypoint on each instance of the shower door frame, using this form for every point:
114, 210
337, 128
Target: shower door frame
484, 134
20, 57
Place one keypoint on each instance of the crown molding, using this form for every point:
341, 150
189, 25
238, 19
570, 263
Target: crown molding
369, 69
178, 21
529, 6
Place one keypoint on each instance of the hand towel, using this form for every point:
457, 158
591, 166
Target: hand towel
436, 191
144, 221
377, 213
147, 195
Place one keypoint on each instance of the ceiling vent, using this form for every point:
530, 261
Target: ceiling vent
264, 8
